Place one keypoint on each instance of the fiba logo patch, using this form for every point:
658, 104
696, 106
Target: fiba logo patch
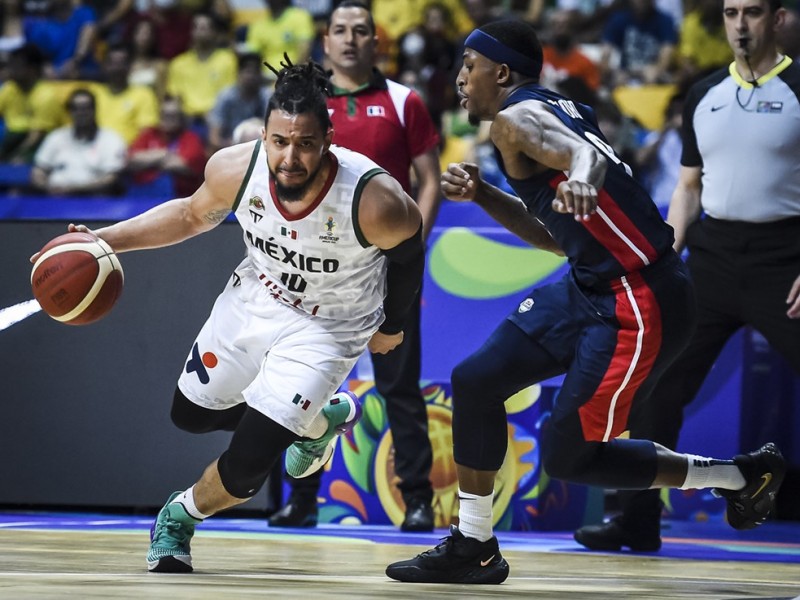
525, 305
329, 237
200, 364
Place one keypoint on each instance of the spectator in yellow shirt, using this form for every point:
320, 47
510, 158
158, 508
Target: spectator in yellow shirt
127, 109
198, 75
30, 106
396, 17
285, 28
703, 46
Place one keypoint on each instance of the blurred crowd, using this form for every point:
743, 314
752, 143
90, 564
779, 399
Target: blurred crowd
104, 97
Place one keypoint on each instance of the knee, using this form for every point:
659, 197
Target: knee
242, 475
468, 380
563, 456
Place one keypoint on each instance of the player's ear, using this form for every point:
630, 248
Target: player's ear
328, 137
503, 74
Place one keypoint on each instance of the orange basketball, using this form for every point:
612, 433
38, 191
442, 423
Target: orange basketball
77, 278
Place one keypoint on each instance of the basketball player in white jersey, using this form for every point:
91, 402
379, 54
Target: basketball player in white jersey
334, 260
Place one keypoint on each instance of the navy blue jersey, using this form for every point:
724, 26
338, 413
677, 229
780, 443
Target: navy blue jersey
626, 234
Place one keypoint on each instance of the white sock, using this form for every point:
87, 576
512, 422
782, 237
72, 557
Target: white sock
187, 500
475, 515
711, 473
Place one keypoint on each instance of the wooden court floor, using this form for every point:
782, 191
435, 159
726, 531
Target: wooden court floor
110, 564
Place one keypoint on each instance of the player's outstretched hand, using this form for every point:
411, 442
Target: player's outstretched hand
381, 343
71, 228
461, 181
577, 198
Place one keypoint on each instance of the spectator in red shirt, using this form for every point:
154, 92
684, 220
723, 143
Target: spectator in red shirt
169, 148
173, 27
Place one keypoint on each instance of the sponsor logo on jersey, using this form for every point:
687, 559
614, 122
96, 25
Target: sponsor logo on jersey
255, 216
201, 363
765, 106
301, 402
525, 305
288, 232
328, 237
375, 111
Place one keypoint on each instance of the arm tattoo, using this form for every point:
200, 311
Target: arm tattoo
215, 217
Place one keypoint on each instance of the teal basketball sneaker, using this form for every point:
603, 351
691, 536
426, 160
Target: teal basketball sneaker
170, 536
308, 456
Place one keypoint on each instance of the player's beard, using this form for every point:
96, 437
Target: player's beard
295, 192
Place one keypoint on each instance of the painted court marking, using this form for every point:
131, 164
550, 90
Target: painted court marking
18, 312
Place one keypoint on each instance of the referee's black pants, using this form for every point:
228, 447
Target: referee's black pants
742, 274
397, 376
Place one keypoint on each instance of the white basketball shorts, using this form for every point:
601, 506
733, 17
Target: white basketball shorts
280, 361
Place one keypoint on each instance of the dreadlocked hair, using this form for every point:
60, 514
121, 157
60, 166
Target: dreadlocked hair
300, 89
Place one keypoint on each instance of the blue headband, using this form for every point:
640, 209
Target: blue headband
500, 53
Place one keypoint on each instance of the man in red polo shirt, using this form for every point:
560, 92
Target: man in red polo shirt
169, 149
390, 124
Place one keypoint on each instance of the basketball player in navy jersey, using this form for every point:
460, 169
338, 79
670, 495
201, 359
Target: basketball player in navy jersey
612, 324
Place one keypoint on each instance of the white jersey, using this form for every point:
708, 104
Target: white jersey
318, 261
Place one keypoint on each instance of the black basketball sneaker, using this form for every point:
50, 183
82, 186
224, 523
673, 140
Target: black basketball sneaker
763, 470
457, 559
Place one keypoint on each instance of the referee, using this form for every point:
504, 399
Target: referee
736, 209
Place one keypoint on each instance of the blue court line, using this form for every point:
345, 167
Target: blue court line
773, 542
